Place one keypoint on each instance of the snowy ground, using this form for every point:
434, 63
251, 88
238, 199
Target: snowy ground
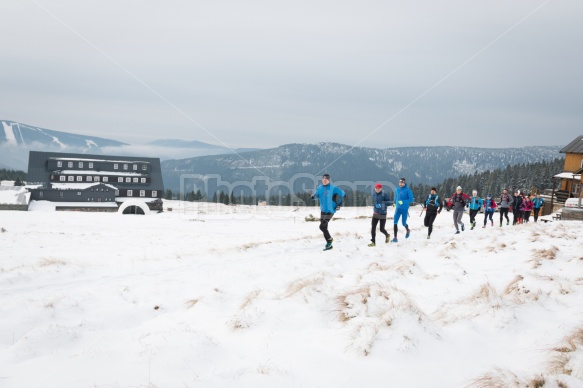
245, 297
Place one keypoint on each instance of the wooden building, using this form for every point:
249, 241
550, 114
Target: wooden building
571, 181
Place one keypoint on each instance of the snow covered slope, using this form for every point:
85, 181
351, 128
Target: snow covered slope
236, 296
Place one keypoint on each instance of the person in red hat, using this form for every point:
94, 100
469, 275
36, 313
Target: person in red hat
380, 201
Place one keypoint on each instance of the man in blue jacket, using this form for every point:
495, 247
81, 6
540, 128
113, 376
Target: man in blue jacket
403, 197
380, 201
330, 198
538, 203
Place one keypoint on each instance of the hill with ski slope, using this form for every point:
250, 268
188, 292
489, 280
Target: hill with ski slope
223, 296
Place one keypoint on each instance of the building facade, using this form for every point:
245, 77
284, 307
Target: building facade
100, 181
571, 185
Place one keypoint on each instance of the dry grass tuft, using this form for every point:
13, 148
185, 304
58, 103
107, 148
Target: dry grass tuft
191, 303
548, 254
49, 262
565, 357
499, 378
345, 302
250, 298
301, 284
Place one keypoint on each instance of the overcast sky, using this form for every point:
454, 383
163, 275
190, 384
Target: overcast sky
500, 73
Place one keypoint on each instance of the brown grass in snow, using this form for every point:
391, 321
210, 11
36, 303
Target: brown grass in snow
565, 356
547, 254
301, 284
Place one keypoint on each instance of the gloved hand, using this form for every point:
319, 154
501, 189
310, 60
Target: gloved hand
400, 202
378, 206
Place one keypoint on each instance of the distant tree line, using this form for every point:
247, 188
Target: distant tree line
19, 177
530, 177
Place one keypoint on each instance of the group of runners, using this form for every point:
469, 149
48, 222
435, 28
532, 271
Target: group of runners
521, 206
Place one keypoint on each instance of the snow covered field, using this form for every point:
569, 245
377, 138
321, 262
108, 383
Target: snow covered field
236, 296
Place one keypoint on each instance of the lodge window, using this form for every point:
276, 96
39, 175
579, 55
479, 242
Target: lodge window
61, 194
96, 179
142, 193
41, 194
125, 166
71, 178
143, 180
62, 178
135, 167
154, 193
79, 179
128, 180
144, 167
90, 165
105, 179
70, 164
135, 180
130, 193
89, 178
80, 164
59, 164
115, 166
120, 179
78, 193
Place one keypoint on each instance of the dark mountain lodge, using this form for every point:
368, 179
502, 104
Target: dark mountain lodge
95, 182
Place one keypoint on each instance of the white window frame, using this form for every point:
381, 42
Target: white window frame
70, 164
144, 167
115, 166
135, 180
90, 164
79, 179
135, 167
62, 178
125, 166
130, 193
78, 193
70, 178
106, 179
120, 179
142, 193
154, 193
96, 178
128, 180
59, 163
89, 178
80, 164
142, 180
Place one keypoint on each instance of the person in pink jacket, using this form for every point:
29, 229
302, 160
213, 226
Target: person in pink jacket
526, 208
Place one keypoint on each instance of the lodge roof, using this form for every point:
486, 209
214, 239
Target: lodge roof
574, 147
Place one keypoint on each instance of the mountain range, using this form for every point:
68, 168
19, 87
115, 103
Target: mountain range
427, 165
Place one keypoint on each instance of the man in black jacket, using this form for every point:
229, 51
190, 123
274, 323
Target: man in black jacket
432, 206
